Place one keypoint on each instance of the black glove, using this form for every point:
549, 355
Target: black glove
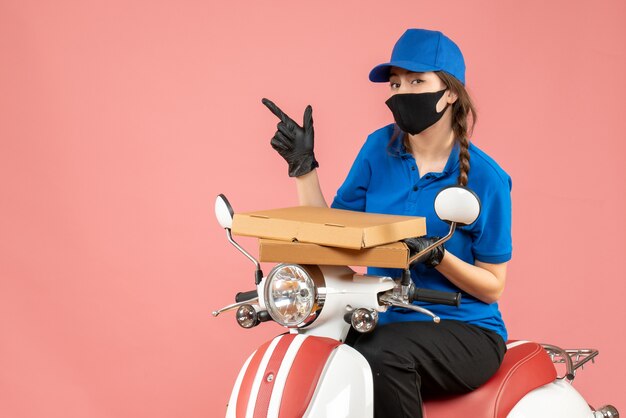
432, 257
293, 142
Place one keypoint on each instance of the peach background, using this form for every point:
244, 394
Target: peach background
121, 120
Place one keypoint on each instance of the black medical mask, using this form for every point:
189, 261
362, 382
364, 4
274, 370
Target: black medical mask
414, 112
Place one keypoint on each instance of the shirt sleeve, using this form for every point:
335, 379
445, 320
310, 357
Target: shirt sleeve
492, 235
352, 193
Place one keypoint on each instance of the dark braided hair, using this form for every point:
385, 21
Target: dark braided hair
461, 110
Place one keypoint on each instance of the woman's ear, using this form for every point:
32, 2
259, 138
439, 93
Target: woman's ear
452, 96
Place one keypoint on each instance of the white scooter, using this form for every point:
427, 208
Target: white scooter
309, 372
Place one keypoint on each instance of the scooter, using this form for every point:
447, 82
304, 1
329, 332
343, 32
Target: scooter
310, 372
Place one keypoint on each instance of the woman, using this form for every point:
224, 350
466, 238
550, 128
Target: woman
399, 170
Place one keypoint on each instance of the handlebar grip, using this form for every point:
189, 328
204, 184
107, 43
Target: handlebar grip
436, 296
244, 296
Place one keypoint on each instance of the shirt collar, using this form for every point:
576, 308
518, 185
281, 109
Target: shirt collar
399, 150
397, 147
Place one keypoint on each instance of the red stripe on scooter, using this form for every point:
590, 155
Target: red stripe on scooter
304, 375
248, 379
265, 390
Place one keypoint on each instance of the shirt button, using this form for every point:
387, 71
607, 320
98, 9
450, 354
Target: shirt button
413, 168
414, 188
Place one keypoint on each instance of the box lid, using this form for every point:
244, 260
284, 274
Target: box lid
328, 226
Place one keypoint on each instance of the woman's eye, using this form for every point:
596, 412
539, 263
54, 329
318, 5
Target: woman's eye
394, 85
416, 81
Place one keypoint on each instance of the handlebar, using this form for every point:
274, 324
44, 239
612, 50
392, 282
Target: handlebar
435, 296
244, 296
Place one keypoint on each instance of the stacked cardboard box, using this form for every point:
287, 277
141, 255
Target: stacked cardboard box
314, 235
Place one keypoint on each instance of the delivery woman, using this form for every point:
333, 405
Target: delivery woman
399, 170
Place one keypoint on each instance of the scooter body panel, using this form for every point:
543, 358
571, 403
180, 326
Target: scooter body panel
232, 402
558, 399
297, 375
345, 388
346, 288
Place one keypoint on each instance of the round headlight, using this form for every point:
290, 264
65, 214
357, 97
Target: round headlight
291, 296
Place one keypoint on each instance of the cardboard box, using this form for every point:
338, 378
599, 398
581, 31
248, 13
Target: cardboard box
394, 255
327, 226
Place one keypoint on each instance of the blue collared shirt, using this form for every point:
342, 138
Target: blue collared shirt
384, 178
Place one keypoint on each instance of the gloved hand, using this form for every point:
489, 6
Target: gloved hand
432, 257
293, 142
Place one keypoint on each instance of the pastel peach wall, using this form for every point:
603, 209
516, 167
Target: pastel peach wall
121, 120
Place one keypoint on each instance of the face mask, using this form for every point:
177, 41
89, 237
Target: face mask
414, 112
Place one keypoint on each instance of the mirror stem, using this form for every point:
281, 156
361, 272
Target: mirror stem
406, 278
258, 275
435, 244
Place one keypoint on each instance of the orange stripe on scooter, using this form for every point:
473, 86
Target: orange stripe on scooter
267, 384
304, 374
248, 379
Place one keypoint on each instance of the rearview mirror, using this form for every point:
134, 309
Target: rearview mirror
224, 212
457, 204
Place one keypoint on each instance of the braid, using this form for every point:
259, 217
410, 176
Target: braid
460, 131
462, 108
464, 163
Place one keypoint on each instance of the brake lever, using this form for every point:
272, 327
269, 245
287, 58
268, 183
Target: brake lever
234, 306
390, 300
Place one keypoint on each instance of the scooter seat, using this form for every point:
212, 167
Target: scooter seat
526, 366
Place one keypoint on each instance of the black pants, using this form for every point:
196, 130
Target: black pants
411, 360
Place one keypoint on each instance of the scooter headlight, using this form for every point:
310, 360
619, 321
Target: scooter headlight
292, 294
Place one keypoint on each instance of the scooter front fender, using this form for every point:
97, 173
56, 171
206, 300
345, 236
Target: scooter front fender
294, 376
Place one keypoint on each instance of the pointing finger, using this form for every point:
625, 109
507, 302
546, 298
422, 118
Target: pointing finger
276, 111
